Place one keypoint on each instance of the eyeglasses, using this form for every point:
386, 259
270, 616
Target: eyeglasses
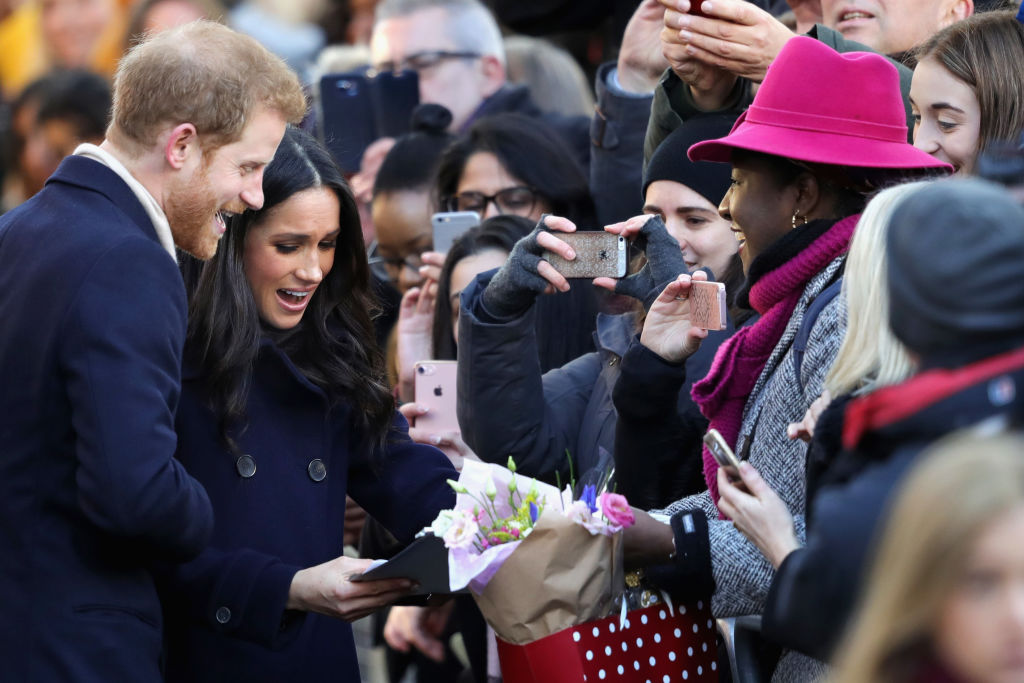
518, 201
395, 265
421, 61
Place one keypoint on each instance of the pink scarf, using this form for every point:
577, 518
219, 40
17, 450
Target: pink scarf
723, 393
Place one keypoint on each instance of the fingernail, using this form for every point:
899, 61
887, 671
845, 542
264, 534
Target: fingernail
684, 21
571, 254
685, 35
436, 440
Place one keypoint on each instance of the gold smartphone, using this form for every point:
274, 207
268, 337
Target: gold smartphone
598, 254
707, 305
720, 449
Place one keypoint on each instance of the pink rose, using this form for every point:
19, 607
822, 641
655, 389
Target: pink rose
616, 510
462, 532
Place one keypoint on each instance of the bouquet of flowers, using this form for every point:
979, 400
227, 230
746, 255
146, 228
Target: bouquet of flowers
536, 559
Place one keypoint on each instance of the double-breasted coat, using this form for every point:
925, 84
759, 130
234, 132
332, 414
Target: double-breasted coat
279, 507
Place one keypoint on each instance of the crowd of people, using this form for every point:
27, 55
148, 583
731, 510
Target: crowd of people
208, 415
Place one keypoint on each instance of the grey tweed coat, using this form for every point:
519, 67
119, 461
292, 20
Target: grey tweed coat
742, 574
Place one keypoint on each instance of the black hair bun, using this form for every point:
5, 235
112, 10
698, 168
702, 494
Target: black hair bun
430, 118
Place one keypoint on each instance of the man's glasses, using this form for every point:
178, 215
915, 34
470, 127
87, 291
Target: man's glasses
421, 61
518, 201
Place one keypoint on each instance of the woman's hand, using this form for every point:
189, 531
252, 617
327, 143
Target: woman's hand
804, 429
326, 589
667, 329
648, 541
526, 275
413, 335
449, 442
433, 261
664, 264
419, 627
758, 513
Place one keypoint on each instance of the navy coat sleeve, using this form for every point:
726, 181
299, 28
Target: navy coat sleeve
815, 589
505, 406
407, 485
123, 369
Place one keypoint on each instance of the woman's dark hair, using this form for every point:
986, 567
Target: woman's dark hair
79, 97
413, 161
333, 346
532, 152
499, 233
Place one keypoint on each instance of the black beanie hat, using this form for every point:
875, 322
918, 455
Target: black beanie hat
956, 271
669, 161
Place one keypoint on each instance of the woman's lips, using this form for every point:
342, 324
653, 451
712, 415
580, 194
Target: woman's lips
294, 300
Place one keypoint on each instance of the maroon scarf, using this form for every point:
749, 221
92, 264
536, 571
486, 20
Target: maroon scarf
723, 393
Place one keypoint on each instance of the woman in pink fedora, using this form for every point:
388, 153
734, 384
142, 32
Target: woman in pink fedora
823, 132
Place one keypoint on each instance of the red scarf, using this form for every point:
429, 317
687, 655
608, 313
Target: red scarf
889, 405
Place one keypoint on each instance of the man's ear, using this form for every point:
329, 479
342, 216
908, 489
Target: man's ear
493, 72
182, 143
958, 9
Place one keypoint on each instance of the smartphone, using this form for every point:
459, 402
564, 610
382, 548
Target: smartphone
707, 305
449, 225
720, 449
435, 389
598, 254
356, 109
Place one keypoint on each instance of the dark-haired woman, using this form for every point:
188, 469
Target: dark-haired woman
284, 409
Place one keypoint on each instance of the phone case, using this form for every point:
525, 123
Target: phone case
450, 225
435, 389
355, 110
598, 254
707, 305
720, 449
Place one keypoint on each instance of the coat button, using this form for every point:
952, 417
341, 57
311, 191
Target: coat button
317, 470
246, 466
223, 615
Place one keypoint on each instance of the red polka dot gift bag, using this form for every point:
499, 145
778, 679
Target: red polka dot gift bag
545, 568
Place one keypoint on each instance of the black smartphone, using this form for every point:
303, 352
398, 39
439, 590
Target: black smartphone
356, 109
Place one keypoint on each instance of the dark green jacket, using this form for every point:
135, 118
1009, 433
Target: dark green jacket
673, 103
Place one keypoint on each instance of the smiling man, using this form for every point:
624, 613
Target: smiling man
892, 27
90, 357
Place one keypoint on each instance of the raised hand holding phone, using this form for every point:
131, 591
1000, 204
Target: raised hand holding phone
668, 330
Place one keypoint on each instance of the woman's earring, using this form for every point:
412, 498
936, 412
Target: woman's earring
796, 215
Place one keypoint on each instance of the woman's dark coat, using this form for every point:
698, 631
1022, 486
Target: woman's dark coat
279, 507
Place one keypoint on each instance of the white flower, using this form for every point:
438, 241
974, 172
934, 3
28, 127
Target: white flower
462, 531
579, 513
444, 520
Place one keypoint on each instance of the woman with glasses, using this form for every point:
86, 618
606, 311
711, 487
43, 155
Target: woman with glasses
511, 164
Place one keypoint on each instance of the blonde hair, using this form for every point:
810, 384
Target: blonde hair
924, 551
201, 73
555, 79
870, 355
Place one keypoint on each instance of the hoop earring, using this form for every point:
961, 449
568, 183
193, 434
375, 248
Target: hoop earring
795, 216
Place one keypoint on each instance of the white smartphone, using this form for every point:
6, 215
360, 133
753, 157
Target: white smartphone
448, 226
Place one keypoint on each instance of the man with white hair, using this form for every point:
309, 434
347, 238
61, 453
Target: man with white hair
456, 48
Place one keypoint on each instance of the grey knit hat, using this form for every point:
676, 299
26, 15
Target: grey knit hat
956, 269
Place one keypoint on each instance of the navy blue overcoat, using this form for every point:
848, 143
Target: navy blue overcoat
279, 507
92, 323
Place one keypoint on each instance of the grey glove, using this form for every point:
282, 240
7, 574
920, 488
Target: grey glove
664, 263
517, 284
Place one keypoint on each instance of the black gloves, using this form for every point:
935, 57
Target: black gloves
516, 285
664, 263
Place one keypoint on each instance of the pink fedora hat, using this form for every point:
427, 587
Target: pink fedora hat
819, 106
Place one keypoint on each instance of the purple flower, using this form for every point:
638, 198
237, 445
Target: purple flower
534, 513
590, 497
